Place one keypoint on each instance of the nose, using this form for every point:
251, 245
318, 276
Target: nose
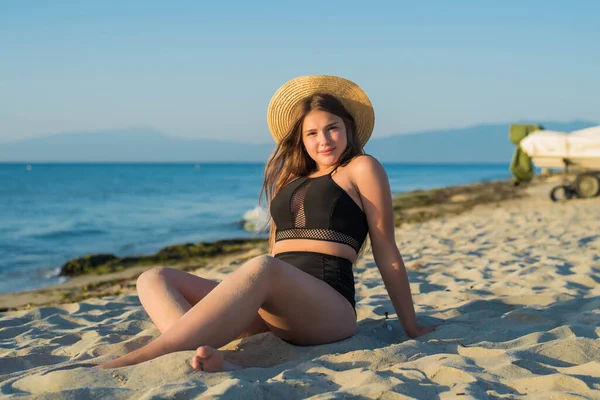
325, 137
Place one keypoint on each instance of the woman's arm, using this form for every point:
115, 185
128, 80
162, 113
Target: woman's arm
372, 183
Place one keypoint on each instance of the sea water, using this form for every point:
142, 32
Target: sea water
50, 213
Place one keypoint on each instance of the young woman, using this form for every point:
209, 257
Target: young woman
325, 196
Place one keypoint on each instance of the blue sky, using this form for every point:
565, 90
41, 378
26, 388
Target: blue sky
197, 70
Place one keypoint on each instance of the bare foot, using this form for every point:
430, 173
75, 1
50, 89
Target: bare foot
211, 360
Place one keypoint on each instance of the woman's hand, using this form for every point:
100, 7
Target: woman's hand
422, 330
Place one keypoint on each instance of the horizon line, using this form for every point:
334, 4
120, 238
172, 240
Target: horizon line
199, 163
387, 135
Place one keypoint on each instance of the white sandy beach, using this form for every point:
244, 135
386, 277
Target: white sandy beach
518, 285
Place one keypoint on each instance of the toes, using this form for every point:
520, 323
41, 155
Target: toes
208, 359
205, 352
205, 357
197, 363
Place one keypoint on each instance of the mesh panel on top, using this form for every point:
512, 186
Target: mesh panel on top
318, 234
297, 205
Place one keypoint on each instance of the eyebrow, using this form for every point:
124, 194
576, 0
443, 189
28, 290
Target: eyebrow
326, 126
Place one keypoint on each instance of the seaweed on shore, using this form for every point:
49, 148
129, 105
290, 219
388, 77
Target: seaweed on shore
422, 205
196, 253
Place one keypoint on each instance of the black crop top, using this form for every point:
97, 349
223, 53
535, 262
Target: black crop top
319, 209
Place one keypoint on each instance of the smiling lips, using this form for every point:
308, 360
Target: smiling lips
328, 151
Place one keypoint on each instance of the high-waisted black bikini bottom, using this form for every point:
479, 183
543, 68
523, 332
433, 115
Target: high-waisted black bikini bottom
335, 271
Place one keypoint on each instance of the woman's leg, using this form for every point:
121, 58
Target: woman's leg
297, 307
167, 294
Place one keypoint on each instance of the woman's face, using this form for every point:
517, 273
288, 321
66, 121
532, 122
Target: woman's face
324, 137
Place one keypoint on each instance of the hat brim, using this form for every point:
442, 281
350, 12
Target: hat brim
280, 114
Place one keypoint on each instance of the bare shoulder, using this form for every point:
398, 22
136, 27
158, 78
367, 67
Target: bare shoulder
365, 168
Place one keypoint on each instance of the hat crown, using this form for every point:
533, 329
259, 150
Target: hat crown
280, 114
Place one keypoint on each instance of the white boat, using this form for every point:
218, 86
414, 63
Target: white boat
578, 149
575, 152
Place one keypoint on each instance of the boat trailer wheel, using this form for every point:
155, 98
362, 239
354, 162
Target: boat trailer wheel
587, 185
562, 192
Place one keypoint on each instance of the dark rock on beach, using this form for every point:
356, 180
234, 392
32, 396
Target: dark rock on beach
86, 264
107, 263
423, 205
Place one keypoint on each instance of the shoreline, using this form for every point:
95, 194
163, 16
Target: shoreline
112, 275
122, 216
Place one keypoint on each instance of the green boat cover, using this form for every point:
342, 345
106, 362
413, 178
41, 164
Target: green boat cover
521, 166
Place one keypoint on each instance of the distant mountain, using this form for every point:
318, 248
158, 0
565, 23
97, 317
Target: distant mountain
131, 145
476, 144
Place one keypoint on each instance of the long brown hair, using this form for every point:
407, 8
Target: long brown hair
290, 160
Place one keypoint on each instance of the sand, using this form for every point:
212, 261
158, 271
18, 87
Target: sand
517, 286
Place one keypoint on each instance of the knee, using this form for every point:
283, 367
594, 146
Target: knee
152, 277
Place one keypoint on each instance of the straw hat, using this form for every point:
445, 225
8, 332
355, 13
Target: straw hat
286, 99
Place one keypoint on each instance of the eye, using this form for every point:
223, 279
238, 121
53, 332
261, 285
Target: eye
334, 128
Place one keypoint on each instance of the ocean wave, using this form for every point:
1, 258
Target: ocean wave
62, 234
51, 273
29, 279
254, 219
